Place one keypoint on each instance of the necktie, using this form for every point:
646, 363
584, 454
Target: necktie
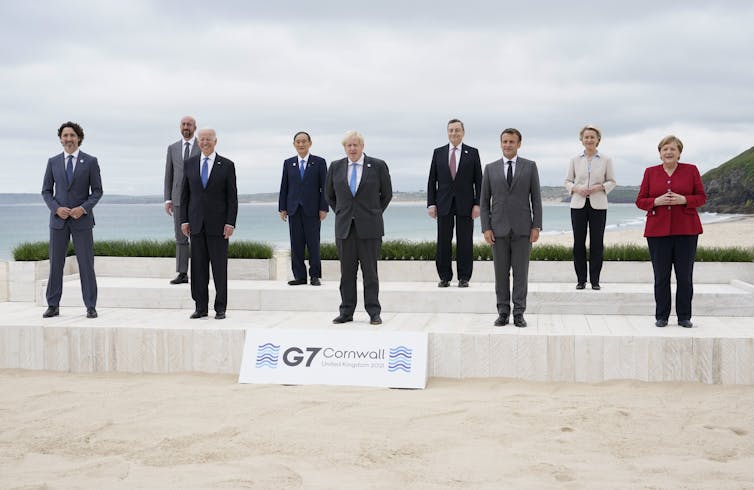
302, 167
452, 163
205, 172
69, 169
352, 182
509, 174
186, 152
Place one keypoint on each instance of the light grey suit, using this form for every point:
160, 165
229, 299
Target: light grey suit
173, 188
511, 213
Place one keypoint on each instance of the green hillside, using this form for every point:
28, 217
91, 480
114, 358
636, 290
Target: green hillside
730, 187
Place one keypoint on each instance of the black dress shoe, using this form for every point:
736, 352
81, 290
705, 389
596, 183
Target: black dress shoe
518, 320
580, 285
315, 281
91, 312
685, 323
502, 320
596, 287
297, 282
219, 315
661, 323
181, 278
463, 283
443, 284
198, 314
51, 311
342, 319
375, 320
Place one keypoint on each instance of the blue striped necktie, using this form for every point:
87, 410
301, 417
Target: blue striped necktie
205, 172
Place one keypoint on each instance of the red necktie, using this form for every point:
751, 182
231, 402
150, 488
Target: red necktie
452, 163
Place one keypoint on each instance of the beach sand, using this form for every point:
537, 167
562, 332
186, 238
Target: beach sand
194, 431
206, 431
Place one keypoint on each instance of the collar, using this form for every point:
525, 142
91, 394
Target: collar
211, 156
75, 155
360, 161
596, 155
514, 160
304, 158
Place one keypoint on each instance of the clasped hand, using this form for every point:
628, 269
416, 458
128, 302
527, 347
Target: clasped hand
670, 199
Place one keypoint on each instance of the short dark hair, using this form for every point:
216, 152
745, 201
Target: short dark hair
76, 129
511, 131
302, 132
455, 120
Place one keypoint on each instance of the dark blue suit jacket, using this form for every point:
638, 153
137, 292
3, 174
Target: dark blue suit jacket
84, 191
212, 208
307, 193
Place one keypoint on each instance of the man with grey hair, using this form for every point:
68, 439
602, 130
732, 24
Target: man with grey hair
178, 153
359, 190
209, 206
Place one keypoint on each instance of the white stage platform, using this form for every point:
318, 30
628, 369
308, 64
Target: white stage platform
573, 336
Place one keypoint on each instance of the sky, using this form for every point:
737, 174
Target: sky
396, 71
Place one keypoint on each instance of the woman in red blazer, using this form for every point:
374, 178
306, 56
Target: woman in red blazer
670, 194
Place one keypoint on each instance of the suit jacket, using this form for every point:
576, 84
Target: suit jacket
84, 191
465, 188
580, 176
174, 170
212, 208
518, 207
672, 220
307, 193
365, 208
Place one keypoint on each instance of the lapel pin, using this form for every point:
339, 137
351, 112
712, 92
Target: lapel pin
369, 164
466, 151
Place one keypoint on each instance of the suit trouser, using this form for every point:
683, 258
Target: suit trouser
182, 251
673, 252
83, 244
304, 232
511, 252
594, 219
209, 249
464, 226
353, 251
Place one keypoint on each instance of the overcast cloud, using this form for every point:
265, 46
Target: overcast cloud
396, 71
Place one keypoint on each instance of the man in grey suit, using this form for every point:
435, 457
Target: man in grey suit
179, 152
71, 187
358, 189
511, 211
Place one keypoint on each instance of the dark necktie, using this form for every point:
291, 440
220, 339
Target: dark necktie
186, 151
509, 174
205, 172
69, 169
452, 164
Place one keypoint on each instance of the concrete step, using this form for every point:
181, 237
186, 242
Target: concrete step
735, 299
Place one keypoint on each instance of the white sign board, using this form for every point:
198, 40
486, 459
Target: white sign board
335, 357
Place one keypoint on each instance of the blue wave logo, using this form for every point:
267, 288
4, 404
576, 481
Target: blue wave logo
399, 359
267, 356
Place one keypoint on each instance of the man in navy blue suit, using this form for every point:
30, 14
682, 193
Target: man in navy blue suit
302, 203
209, 207
71, 187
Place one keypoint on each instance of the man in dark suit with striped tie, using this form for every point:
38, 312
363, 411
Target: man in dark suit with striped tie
209, 206
71, 187
302, 203
178, 153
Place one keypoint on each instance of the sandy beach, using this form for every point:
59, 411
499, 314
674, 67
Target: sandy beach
201, 431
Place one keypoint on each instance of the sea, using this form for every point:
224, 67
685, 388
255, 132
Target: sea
24, 222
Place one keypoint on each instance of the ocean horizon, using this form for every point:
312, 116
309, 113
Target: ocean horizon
406, 220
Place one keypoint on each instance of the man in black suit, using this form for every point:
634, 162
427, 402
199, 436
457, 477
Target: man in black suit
71, 187
302, 202
453, 190
177, 154
358, 189
209, 206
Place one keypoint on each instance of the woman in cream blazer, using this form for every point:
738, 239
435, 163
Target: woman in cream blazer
590, 177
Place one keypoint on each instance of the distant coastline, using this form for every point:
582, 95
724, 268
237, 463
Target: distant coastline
550, 194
